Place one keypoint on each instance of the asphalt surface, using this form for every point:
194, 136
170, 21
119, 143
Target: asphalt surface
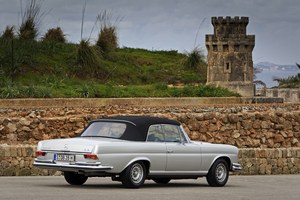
237, 188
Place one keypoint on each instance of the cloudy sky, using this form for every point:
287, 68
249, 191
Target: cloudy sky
173, 24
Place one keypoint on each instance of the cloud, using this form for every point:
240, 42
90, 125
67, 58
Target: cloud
173, 24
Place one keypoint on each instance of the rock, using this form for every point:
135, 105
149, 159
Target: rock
11, 127
233, 118
25, 172
287, 125
247, 124
257, 124
265, 125
278, 138
25, 122
32, 115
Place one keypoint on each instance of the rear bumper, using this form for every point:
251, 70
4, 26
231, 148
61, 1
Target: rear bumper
236, 167
77, 166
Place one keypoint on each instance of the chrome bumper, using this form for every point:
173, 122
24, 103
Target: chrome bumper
65, 166
236, 167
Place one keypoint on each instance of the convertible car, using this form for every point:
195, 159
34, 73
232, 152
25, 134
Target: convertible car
131, 149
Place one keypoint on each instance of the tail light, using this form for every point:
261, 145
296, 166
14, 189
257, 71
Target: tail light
90, 156
40, 153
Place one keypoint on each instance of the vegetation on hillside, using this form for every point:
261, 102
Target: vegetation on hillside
52, 67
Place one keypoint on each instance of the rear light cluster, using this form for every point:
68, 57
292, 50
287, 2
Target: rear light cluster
90, 156
40, 153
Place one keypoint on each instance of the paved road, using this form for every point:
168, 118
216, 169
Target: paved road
238, 188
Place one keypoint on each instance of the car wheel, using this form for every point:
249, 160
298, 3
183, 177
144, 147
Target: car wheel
75, 179
162, 180
218, 173
134, 175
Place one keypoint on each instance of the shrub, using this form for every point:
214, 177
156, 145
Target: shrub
195, 60
161, 86
9, 32
87, 56
31, 20
107, 37
55, 34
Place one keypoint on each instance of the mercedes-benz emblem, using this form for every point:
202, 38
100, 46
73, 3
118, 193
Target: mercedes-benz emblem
66, 147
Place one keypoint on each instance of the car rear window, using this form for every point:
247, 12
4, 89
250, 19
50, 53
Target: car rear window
105, 129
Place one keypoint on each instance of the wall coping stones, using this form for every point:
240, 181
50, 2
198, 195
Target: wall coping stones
98, 102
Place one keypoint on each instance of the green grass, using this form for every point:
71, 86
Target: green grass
44, 69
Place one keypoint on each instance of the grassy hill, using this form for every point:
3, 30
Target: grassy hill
51, 69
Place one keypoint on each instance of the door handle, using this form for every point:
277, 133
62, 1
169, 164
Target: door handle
170, 151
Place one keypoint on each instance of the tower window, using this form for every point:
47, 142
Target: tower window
225, 48
236, 48
215, 48
227, 67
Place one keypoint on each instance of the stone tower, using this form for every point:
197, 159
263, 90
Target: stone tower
229, 55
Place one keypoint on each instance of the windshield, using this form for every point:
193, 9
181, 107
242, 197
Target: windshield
105, 129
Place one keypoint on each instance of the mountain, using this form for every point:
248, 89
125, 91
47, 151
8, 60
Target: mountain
268, 66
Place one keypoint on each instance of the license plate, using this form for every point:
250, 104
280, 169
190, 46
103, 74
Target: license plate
63, 157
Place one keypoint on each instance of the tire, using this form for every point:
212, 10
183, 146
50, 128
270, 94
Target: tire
161, 180
218, 174
75, 179
134, 175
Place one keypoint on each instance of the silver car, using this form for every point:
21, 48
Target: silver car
131, 149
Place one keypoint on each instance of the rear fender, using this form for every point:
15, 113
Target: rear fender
143, 159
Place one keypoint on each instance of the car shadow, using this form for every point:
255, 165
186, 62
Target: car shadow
118, 185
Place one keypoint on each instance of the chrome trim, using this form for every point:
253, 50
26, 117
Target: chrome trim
196, 173
88, 163
236, 167
113, 120
65, 152
44, 161
66, 166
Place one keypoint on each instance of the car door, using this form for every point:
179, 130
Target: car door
157, 149
181, 155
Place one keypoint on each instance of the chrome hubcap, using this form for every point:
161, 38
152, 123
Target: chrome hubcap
136, 173
221, 172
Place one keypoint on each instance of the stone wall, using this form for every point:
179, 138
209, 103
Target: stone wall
270, 161
289, 95
16, 160
240, 126
268, 135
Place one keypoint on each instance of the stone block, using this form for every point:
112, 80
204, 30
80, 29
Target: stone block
10, 171
272, 162
269, 169
25, 172
294, 170
285, 170
262, 153
29, 152
277, 153
13, 151
270, 153
5, 164
2, 151
281, 162
262, 169
276, 170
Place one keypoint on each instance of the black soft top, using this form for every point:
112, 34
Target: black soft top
137, 126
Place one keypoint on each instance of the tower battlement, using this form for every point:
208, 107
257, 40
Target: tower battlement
229, 20
223, 27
